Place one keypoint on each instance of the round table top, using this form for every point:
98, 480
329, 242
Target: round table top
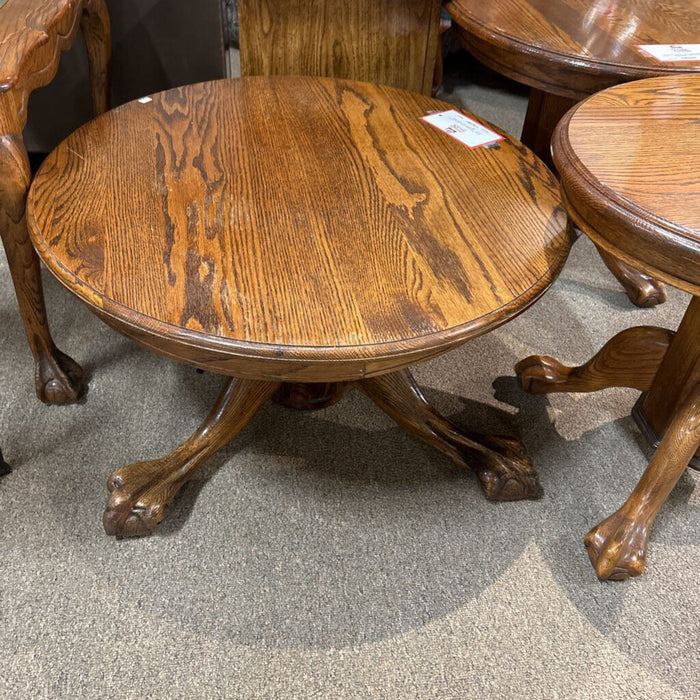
576, 47
628, 160
295, 222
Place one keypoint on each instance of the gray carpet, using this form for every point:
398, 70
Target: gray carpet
328, 554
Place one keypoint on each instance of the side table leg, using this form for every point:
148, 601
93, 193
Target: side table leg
96, 32
617, 546
141, 492
58, 378
544, 111
631, 359
504, 471
642, 289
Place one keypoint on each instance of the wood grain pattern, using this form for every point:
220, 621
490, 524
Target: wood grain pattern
573, 48
391, 42
678, 375
290, 229
639, 203
638, 200
631, 359
32, 35
295, 228
568, 49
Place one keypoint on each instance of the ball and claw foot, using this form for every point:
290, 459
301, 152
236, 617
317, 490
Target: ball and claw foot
538, 374
646, 292
500, 464
141, 492
642, 289
617, 547
59, 378
140, 495
504, 470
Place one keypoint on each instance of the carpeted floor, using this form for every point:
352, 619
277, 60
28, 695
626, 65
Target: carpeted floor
328, 554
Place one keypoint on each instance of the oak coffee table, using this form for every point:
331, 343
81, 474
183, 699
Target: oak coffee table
566, 50
301, 236
641, 202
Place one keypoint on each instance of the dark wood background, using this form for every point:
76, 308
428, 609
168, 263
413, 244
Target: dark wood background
156, 45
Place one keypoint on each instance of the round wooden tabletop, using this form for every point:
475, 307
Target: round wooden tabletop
574, 48
628, 160
301, 229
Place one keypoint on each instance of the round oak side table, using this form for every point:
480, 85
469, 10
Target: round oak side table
566, 50
302, 236
640, 200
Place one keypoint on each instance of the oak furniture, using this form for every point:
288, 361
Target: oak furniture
392, 42
32, 35
639, 200
302, 236
566, 50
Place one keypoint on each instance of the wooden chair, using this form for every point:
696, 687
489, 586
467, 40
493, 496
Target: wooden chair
32, 35
392, 42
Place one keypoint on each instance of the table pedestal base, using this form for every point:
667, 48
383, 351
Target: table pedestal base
310, 397
141, 492
666, 366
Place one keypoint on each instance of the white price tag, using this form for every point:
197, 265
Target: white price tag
671, 53
144, 100
462, 128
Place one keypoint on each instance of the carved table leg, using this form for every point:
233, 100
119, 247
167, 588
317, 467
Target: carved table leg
4, 466
141, 492
642, 289
96, 32
58, 378
631, 359
617, 547
500, 464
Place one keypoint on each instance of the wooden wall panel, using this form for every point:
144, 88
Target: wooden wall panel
393, 42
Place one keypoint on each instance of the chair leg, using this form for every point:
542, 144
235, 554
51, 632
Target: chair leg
96, 32
57, 377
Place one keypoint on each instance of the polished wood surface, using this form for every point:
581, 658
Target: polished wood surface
231, 201
391, 42
290, 229
573, 48
32, 35
568, 49
627, 159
